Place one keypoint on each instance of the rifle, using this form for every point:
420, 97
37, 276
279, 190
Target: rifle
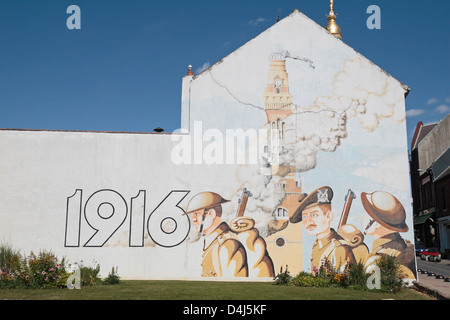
353, 237
243, 202
345, 211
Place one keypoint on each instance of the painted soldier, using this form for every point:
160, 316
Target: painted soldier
315, 214
228, 250
387, 221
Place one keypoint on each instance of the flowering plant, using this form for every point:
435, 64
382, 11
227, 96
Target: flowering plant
33, 271
46, 271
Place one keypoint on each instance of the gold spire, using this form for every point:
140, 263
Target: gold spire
332, 26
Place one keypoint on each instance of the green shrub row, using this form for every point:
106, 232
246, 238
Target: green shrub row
353, 276
44, 270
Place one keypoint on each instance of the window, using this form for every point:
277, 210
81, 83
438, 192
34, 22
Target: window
280, 242
444, 198
280, 213
427, 196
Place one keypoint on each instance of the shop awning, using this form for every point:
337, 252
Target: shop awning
422, 219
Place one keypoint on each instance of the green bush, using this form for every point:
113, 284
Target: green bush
7, 254
356, 275
90, 275
390, 274
112, 278
45, 270
353, 276
35, 271
331, 275
283, 278
14, 269
304, 279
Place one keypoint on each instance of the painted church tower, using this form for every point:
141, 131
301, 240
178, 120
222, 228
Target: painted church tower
277, 99
285, 242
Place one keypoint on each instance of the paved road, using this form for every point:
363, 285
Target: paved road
442, 267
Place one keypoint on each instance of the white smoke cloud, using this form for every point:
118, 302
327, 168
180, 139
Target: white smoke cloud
362, 92
372, 94
376, 171
266, 196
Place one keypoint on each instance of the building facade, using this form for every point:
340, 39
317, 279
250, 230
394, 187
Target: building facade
291, 153
430, 181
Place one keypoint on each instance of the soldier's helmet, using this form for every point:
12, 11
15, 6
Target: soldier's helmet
204, 200
322, 195
386, 209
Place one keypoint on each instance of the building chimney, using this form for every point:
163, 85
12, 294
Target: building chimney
190, 73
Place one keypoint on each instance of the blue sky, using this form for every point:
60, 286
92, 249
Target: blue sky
122, 70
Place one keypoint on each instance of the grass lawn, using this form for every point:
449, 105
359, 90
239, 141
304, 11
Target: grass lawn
203, 290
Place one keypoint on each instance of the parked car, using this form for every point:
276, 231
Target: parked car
431, 254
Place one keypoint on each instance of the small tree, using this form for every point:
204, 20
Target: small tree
390, 273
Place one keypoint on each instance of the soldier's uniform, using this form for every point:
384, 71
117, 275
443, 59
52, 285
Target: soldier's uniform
332, 248
394, 245
232, 251
224, 255
259, 262
387, 210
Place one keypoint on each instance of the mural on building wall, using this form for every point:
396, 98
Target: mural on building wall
295, 136
346, 244
235, 249
271, 219
324, 172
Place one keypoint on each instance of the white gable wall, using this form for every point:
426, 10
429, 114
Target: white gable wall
348, 131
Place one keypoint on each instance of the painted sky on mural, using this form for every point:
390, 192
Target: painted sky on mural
122, 70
